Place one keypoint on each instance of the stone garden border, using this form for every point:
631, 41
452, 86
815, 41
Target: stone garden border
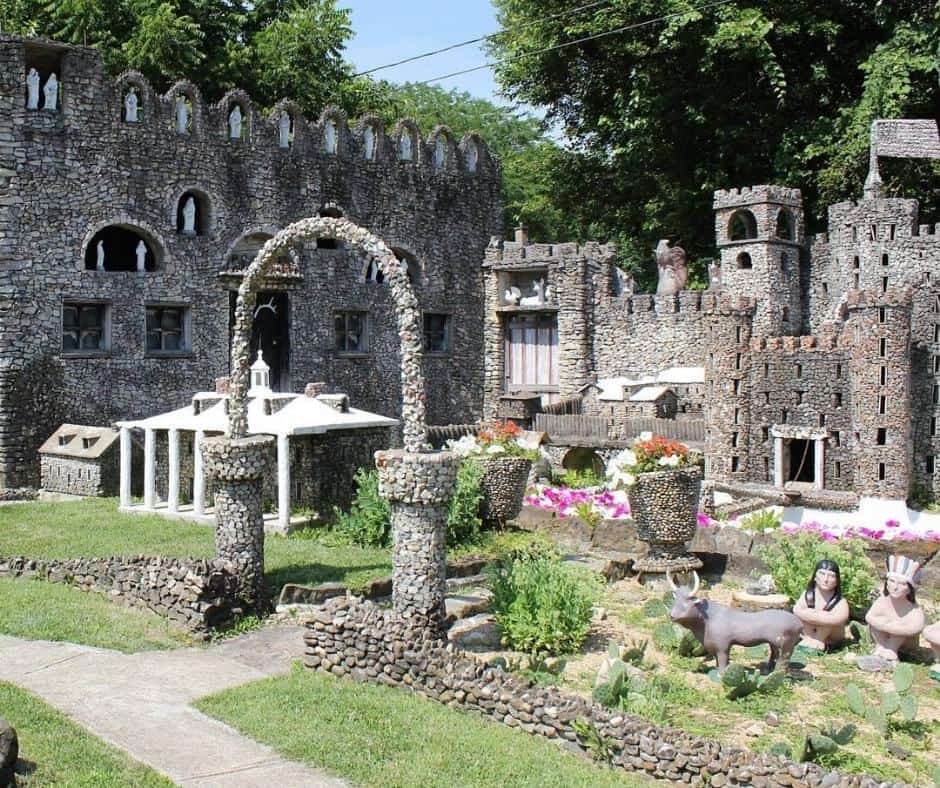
406, 307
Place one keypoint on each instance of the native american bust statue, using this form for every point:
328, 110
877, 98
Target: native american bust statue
673, 268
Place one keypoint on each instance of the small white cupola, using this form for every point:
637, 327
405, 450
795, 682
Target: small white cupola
260, 377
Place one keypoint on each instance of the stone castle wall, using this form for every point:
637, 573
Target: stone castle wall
65, 175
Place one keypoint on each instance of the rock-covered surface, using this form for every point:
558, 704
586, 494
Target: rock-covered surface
348, 637
197, 594
18, 493
663, 506
9, 752
503, 486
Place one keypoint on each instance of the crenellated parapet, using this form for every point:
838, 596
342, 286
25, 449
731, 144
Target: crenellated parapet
757, 195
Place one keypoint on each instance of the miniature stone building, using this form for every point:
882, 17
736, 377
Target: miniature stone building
157, 211
80, 460
656, 402
820, 355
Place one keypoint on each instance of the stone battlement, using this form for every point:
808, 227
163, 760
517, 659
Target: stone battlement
751, 195
511, 253
894, 297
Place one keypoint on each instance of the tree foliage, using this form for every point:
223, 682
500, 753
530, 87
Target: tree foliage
660, 115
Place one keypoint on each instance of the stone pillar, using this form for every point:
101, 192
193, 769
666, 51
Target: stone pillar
819, 469
237, 466
283, 482
150, 474
778, 461
199, 479
173, 461
419, 488
126, 465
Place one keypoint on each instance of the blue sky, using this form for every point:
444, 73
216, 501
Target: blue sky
389, 31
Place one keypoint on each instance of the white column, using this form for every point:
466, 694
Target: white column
283, 481
778, 461
126, 458
150, 476
199, 481
819, 470
173, 459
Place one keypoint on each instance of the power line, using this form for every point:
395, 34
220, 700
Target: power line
577, 41
498, 33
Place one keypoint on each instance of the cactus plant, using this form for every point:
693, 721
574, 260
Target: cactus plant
898, 701
813, 745
739, 682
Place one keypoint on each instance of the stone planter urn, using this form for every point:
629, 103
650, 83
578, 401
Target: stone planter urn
664, 505
503, 486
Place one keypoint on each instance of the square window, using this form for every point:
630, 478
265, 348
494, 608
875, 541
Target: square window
168, 329
436, 333
882, 436
86, 327
351, 331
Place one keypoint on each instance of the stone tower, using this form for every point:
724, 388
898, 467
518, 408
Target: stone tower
759, 232
878, 333
726, 385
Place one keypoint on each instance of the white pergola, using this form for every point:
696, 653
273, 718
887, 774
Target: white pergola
269, 413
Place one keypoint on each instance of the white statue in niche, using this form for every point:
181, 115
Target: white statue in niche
99, 265
131, 106
32, 89
283, 130
329, 136
473, 156
440, 152
714, 276
51, 93
182, 115
538, 294
141, 256
368, 143
189, 216
404, 146
235, 123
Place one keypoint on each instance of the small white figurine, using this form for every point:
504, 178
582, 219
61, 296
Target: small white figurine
32, 89
329, 136
538, 294
368, 143
141, 256
51, 93
100, 262
404, 146
189, 216
235, 123
440, 152
130, 106
473, 157
283, 130
182, 115
512, 296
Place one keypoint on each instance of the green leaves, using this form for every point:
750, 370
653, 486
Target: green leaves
899, 700
739, 682
855, 700
165, 44
903, 677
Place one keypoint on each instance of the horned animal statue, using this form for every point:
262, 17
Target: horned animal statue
717, 627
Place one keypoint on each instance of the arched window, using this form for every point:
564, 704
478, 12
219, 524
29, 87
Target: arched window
744, 260
120, 248
330, 243
742, 226
409, 264
192, 214
368, 143
784, 225
330, 136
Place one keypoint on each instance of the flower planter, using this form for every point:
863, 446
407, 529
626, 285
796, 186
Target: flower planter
664, 505
503, 486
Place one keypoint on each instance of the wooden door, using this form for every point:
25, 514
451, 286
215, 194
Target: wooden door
532, 353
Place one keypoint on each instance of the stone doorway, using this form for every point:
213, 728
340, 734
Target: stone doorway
270, 331
801, 456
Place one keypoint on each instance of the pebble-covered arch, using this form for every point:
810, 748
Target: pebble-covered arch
406, 307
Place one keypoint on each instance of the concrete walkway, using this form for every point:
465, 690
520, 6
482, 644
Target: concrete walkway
141, 703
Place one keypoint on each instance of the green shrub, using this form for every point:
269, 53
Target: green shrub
543, 606
792, 558
509, 546
578, 479
463, 518
368, 522
758, 522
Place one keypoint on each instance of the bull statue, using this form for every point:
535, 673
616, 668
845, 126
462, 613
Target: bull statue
673, 268
717, 627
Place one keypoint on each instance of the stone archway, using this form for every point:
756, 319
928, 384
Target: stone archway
406, 307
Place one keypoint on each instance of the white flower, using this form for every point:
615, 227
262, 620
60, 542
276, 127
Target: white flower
495, 449
624, 459
671, 461
464, 446
646, 436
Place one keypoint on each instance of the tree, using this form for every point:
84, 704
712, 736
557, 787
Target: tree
660, 115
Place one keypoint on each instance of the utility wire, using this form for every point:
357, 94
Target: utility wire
498, 33
577, 41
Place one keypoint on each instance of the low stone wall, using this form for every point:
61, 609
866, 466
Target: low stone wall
198, 594
18, 494
348, 637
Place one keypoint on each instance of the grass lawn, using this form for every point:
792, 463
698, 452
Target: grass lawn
94, 527
50, 611
56, 751
386, 736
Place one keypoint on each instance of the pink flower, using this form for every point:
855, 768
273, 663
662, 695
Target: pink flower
892, 523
